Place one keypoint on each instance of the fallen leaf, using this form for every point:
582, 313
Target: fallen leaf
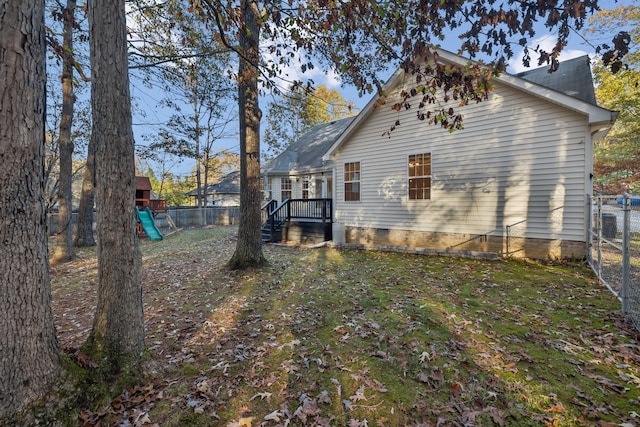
274, 416
263, 395
359, 395
436, 374
324, 397
307, 409
558, 408
423, 377
141, 419
455, 389
425, 357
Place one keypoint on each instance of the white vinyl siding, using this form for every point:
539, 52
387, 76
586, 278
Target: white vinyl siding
297, 186
274, 187
518, 158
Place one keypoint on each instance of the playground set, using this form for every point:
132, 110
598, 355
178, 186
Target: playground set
148, 209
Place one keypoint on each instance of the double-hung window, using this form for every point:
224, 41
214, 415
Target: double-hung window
420, 176
352, 182
285, 188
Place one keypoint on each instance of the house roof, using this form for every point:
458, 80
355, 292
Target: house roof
572, 78
559, 92
229, 184
305, 154
143, 183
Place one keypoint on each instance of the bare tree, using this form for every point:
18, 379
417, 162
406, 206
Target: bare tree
84, 231
64, 241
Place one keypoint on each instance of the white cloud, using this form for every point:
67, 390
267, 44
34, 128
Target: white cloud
292, 71
546, 43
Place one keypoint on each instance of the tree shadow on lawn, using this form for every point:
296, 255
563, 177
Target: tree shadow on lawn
324, 337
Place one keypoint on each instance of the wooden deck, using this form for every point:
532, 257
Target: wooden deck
297, 220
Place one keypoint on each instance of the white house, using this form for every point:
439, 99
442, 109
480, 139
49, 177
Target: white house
299, 171
225, 192
514, 181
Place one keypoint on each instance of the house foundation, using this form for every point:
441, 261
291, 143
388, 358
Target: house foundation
519, 247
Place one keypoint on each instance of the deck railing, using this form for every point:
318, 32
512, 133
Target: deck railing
310, 209
158, 205
274, 215
267, 209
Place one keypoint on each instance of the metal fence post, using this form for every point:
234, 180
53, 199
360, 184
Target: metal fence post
599, 234
626, 237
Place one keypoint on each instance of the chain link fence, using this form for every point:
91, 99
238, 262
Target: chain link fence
615, 249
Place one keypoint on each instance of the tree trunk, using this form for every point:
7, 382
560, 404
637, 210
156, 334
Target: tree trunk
202, 193
205, 182
117, 336
64, 237
84, 230
29, 355
248, 252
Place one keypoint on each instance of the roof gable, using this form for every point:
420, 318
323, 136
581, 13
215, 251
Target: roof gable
599, 118
573, 78
143, 183
229, 184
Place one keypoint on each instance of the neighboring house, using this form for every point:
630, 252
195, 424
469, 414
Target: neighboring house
225, 192
514, 181
299, 171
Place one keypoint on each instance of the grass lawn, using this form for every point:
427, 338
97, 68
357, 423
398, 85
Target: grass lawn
323, 337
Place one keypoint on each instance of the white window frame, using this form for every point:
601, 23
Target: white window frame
354, 178
283, 190
419, 175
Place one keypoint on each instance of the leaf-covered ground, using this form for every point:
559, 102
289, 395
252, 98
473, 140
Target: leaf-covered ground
326, 337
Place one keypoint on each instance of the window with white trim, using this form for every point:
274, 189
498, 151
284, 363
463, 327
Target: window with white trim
352, 182
285, 188
419, 176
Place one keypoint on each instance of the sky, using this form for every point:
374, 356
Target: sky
149, 116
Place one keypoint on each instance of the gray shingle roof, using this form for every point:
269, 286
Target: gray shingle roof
573, 78
305, 154
229, 184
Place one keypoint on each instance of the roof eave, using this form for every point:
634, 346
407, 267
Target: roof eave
597, 116
366, 112
593, 112
393, 81
304, 171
